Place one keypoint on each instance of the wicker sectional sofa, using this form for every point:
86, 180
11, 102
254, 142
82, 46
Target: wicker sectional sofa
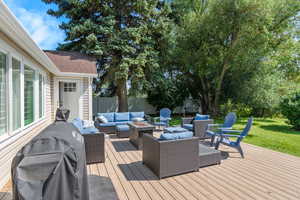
115, 119
94, 142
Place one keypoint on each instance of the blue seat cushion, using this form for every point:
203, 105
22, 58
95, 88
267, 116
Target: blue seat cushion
176, 136
175, 129
107, 124
201, 117
121, 128
109, 116
123, 122
189, 127
123, 116
137, 115
89, 130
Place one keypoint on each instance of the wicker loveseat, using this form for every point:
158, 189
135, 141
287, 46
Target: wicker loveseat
170, 157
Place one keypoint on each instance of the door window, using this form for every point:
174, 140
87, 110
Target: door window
69, 87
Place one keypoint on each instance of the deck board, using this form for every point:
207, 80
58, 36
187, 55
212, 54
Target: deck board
263, 174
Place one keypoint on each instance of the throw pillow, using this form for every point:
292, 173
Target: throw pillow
88, 123
137, 119
201, 117
102, 119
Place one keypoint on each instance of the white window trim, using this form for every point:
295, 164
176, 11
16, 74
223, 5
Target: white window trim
12, 132
6, 93
9, 92
43, 94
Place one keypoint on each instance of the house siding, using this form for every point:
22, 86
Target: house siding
85, 99
51, 98
15, 142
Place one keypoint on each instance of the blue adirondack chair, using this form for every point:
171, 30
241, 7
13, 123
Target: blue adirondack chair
229, 121
224, 138
164, 118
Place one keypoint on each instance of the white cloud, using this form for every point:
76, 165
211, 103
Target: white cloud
41, 27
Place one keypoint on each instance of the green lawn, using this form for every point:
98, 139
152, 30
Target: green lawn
270, 133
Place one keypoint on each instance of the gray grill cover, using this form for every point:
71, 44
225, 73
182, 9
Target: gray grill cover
52, 166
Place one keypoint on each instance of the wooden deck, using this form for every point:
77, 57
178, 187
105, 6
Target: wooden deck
263, 174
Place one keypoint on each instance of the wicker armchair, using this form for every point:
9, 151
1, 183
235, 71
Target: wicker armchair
198, 126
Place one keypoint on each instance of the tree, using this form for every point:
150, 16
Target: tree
123, 35
167, 90
230, 41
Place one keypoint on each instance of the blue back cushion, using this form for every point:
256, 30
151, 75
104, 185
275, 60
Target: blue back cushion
109, 116
123, 116
201, 117
176, 136
137, 115
78, 123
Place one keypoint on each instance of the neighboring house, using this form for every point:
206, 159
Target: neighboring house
33, 85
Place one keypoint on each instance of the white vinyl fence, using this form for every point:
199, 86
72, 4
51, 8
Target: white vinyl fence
110, 104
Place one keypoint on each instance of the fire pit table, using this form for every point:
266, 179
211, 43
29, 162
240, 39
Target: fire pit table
137, 130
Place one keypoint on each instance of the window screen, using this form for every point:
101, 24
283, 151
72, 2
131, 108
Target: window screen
29, 76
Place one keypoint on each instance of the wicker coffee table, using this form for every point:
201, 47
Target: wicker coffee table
137, 130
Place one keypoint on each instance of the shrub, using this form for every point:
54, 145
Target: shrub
290, 108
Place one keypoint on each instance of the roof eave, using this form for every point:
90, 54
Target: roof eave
72, 74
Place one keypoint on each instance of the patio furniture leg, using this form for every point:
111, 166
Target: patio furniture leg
212, 141
239, 148
217, 145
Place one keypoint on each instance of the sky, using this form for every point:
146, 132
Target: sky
43, 28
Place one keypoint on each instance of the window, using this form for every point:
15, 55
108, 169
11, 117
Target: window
29, 78
3, 96
69, 87
22, 93
16, 94
41, 96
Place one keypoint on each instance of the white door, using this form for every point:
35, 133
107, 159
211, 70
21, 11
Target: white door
69, 95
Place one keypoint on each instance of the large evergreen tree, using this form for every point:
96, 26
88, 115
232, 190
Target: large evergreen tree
123, 34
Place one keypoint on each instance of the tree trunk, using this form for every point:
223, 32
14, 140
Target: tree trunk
122, 96
219, 88
225, 66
